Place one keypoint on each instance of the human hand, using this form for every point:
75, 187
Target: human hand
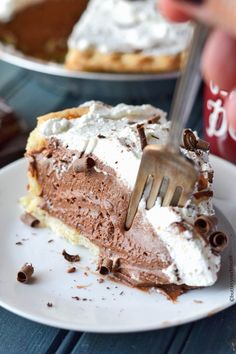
219, 57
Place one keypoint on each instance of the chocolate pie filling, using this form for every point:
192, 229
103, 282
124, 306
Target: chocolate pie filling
42, 30
95, 203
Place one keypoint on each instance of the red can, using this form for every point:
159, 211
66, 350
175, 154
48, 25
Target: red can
216, 129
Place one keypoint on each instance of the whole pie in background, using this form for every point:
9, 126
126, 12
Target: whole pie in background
110, 36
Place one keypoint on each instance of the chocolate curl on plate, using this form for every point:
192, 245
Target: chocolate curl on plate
69, 257
83, 164
218, 241
189, 140
26, 272
142, 136
105, 266
29, 220
204, 225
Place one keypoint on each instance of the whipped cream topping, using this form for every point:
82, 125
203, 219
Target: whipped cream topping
8, 8
193, 263
128, 26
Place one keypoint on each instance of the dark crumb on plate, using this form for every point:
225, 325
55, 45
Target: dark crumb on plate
76, 298
107, 288
49, 304
50, 241
122, 293
19, 243
86, 274
71, 270
71, 258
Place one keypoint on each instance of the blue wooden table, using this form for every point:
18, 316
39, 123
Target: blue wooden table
31, 97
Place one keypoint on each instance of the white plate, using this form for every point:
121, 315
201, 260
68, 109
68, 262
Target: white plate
113, 307
12, 56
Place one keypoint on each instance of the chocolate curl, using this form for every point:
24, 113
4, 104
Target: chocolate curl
154, 120
24, 275
189, 140
70, 258
105, 266
202, 195
181, 227
202, 183
142, 136
204, 225
29, 220
202, 145
84, 164
210, 176
218, 241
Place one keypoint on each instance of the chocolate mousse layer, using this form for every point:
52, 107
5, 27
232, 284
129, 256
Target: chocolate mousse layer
89, 197
42, 30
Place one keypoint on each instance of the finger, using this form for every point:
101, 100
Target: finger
230, 107
214, 12
218, 62
172, 10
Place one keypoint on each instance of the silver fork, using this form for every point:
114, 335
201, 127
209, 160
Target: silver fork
173, 176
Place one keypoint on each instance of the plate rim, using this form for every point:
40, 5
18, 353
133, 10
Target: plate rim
93, 329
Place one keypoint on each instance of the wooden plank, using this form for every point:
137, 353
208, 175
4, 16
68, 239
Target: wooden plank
214, 335
18, 335
135, 343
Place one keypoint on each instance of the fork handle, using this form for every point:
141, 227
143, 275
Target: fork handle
187, 87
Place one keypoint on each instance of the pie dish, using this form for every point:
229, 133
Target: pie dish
121, 36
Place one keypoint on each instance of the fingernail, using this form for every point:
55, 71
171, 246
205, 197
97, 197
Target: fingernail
195, 2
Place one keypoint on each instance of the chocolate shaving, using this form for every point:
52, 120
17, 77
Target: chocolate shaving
210, 176
189, 140
29, 220
180, 226
49, 304
71, 258
100, 136
142, 136
19, 243
84, 164
202, 195
105, 266
71, 270
24, 275
204, 225
202, 183
76, 298
218, 241
202, 145
154, 120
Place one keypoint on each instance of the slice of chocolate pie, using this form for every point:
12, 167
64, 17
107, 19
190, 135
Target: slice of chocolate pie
83, 164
